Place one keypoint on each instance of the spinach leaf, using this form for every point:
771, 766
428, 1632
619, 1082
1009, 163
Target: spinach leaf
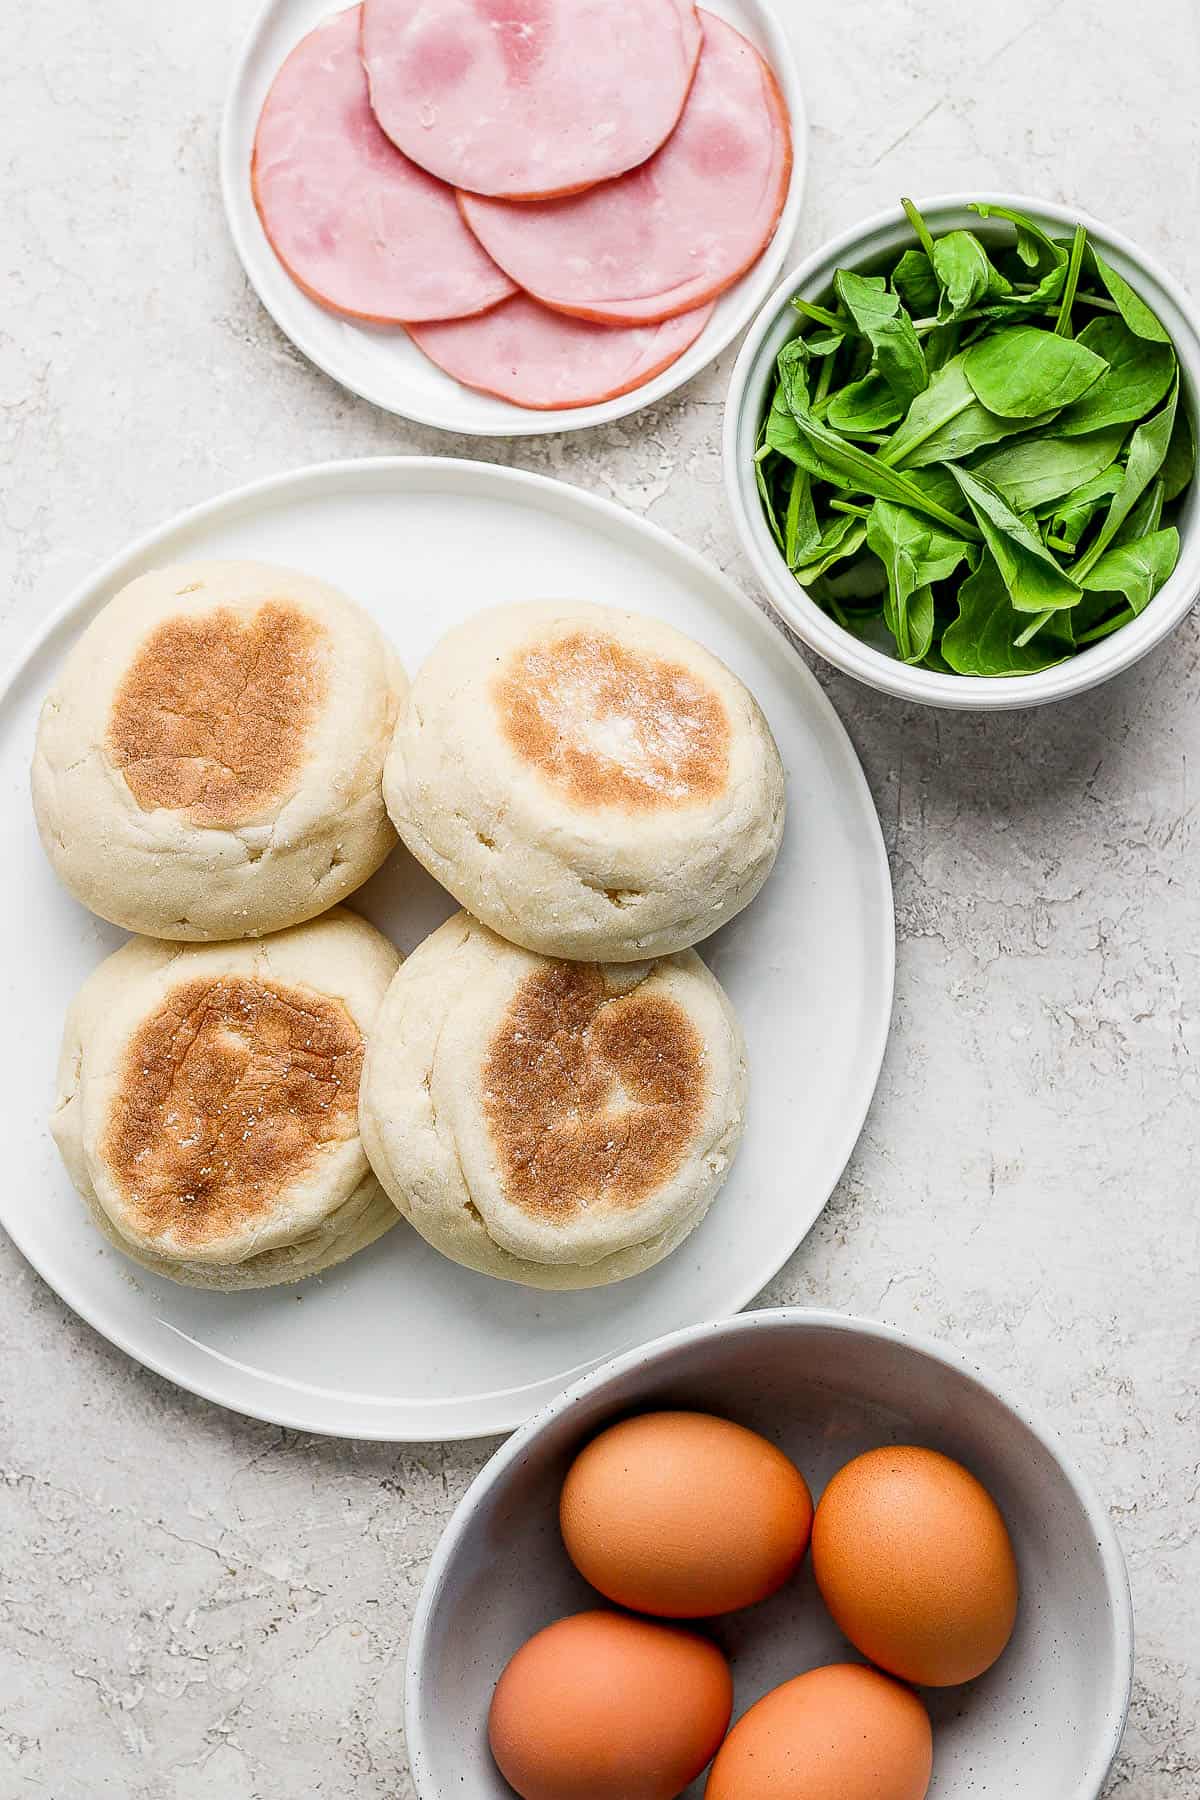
915, 282
1179, 464
915, 555
1075, 513
1034, 580
1136, 569
883, 321
961, 265
1132, 308
844, 536
800, 529
1147, 451
1139, 373
947, 422
1036, 470
866, 405
1033, 243
1023, 371
981, 640
1071, 282
832, 458
1146, 515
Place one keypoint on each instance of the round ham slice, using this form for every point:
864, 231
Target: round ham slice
356, 224
527, 98
676, 232
522, 352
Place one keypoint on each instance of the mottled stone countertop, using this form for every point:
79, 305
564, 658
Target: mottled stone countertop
196, 1605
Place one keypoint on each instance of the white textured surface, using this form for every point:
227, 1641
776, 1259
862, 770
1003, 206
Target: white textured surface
194, 1606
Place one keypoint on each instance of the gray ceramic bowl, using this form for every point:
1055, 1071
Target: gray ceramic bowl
752, 382
1043, 1724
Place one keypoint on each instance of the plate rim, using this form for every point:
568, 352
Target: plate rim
716, 336
384, 1419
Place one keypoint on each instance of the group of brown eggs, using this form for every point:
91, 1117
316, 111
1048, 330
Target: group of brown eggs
682, 1515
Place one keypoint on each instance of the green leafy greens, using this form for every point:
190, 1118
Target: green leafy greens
974, 452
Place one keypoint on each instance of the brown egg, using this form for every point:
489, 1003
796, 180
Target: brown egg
841, 1733
684, 1515
604, 1707
914, 1562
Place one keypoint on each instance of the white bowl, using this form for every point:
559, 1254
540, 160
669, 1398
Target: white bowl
750, 389
1043, 1724
380, 362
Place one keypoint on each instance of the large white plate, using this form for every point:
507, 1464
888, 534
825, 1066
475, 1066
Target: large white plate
399, 1343
378, 361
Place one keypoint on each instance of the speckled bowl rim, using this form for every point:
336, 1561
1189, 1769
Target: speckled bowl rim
743, 407
524, 1444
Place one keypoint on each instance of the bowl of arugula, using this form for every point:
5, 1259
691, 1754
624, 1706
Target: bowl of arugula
959, 448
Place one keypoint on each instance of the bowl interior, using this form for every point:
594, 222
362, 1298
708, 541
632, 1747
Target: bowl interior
867, 250
1043, 1723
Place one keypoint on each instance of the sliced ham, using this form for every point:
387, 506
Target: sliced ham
679, 230
522, 352
356, 224
528, 98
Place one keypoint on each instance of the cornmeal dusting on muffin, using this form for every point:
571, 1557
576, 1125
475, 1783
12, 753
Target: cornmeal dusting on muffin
213, 714
612, 726
591, 1098
225, 1097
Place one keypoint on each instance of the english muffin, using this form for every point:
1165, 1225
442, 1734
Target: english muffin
588, 782
208, 1101
562, 1124
208, 765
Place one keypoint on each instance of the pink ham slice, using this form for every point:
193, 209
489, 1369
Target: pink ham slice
357, 225
527, 98
674, 233
522, 352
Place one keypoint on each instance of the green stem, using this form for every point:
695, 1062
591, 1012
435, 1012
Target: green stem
848, 506
1106, 629
1078, 244
820, 313
920, 227
1057, 543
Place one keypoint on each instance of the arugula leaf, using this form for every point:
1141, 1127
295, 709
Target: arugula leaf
1132, 308
883, 321
1139, 374
947, 422
915, 555
981, 640
915, 282
961, 264
1034, 580
866, 405
1136, 569
1147, 451
1023, 371
1036, 470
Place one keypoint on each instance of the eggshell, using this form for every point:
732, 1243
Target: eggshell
914, 1562
604, 1707
684, 1515
839, 1733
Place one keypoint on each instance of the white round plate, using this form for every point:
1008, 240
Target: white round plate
399, 1343
379, 362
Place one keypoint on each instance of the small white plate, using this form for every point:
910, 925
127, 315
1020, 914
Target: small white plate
379, 362
399, 1343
